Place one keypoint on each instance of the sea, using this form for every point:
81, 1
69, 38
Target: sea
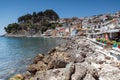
17, 53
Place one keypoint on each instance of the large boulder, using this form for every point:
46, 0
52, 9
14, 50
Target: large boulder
17, 77
58, 54
56, 74
56, 64
27, 75
51, 64
51, 51
61, 49
70, 69
96, 58
32, 68
69, 58
40, 66
47, 59
109, 72
80, 72
91, 69
39, 57
89, 77
79, 58
60, 64
65, 56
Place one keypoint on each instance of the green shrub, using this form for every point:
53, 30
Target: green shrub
118, 43
113, 42
98, 39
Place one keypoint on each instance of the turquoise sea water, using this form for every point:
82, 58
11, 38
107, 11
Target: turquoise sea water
17, 53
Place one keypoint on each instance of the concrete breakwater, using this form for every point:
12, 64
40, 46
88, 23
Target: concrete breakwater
78, 59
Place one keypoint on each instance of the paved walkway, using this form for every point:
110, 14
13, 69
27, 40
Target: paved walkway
100, 47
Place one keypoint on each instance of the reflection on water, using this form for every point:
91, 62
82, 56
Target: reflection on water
17, 53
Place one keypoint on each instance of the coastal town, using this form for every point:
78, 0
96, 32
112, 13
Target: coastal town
92, 51
60, 40
104, 29
94, 26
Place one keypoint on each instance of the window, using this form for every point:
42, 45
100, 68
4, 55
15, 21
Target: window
94, 26
98, 26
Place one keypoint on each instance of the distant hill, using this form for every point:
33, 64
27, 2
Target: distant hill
35, 23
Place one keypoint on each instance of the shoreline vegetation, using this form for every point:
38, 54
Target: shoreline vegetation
77, 59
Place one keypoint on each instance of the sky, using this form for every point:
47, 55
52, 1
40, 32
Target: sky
10, 10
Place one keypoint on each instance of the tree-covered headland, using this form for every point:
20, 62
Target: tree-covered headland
35, 22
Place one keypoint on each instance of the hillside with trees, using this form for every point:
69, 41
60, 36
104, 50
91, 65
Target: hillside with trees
34, 23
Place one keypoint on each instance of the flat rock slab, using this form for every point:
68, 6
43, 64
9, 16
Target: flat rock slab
109, 72
80, 72
55, 74
89, 77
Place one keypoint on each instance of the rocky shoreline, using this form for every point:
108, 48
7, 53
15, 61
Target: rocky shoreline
22, 35
75, 60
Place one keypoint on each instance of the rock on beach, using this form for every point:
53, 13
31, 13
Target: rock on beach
78, 59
